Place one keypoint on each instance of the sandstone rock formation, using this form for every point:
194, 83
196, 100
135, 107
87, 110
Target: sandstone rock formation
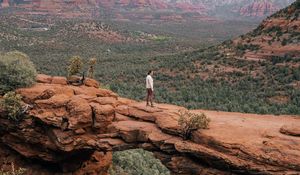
76, 129
5, 3
259, 9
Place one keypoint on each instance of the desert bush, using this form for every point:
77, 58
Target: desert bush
284, 42
190, 122
279, 33
19, 171
12, 104
296, 74
251, 47
276, 29
16, 70
270, 42
13, 171
75, 65
137, 162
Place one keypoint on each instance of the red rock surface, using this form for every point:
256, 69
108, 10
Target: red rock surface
259, 9
76, 128
291, 129
5, 3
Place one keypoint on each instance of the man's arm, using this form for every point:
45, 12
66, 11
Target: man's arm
151, 84
148, 81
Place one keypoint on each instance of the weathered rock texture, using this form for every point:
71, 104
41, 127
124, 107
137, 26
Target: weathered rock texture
76, 129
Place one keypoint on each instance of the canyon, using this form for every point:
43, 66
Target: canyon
148, 9
75, 129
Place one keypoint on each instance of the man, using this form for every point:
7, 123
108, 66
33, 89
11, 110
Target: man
149, 87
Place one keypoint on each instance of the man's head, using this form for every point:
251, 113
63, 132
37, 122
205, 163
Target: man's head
150, 72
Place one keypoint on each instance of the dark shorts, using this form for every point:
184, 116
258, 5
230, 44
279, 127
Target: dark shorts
149, 92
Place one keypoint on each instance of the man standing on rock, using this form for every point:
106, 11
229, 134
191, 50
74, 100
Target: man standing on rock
149, 86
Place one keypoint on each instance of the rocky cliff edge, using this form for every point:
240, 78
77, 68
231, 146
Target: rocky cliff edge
76, 129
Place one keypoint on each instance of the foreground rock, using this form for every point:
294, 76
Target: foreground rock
291, 130
76, 128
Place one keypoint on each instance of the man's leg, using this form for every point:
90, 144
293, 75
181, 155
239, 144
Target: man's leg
151, 98
148, 95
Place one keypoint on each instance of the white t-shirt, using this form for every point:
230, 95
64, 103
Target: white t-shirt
149, 82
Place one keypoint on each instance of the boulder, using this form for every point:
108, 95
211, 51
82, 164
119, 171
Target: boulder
140, 114
133, 131
92, 91
105, 93
55, 101
292, 130
74, 78
123, 109
103, 116
120, 117
167, 122
106, 101
80, 113
91, 83
99, 163
43, 91
59, 80
42, 78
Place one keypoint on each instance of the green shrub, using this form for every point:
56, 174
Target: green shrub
296, 74
19, 171
284, 42
12, 104
251, 47
16, 71
75, 65
136, 162
276, 29
190, 122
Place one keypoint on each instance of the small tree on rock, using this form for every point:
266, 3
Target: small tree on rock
190, 122
92, 62
75, 65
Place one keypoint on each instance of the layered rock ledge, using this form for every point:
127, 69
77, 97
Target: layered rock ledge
75, 129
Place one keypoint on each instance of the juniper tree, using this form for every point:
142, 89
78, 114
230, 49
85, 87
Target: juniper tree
75, 65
